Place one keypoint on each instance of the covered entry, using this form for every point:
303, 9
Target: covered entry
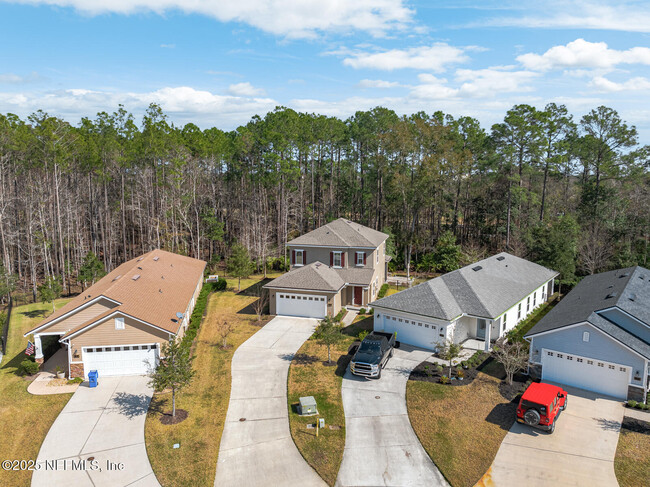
586, 373
304, 305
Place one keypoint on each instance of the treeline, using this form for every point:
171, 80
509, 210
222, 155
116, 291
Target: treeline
571, 194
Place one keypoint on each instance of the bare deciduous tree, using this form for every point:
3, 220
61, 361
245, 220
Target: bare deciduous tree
260, 303
224, 329
513, 355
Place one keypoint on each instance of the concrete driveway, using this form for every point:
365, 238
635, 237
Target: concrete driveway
381, 447
580, 452
105, 423
256, 447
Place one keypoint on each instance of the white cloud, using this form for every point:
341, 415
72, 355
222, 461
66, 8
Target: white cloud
245, 89
290, 18
183, 104
12, 78
168, 46
424, 58
377, 83
620, 15
602, 84
474, 83
584, 54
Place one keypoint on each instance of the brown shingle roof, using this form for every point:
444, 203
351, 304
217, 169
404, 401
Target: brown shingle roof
164, 287
342, 233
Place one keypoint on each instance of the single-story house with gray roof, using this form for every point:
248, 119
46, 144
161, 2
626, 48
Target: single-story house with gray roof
476, 304
598, 337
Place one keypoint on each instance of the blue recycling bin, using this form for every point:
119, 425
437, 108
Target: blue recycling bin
92, 378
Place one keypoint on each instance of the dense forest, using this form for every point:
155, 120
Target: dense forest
573, 194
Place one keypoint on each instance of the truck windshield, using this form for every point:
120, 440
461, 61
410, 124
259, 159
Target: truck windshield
370, 347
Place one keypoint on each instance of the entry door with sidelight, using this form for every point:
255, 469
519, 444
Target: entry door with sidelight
480, 329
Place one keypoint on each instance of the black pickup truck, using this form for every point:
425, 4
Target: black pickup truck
373, 354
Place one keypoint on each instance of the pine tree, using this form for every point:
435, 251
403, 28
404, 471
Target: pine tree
174, 370
239, 264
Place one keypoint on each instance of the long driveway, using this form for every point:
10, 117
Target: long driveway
381, 447
256, 446
580, 452
105, 423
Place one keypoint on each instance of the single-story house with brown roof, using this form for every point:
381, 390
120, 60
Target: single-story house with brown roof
117, 326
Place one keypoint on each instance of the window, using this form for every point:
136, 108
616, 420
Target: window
377, 254
559, 355
600, 364
505, 318
590, 362
534, 298
119, 323
528, 304
337, 259
426, 326
569, 357
579, 360
400, 320
519, 312
621, 369
419, 324
300, 258
585, 336
360, 258
550, 354
612, 367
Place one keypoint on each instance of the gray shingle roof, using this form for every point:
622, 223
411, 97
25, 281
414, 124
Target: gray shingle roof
627, 289
356, 276
341, 233
314, 277
499, 282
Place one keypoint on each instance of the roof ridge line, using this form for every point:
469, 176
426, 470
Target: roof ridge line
349, 224
478, 298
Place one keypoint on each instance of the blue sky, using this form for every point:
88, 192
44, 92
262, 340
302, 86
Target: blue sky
217, 63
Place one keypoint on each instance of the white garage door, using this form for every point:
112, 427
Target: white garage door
586, 373
305, 305
120, 360
412, 331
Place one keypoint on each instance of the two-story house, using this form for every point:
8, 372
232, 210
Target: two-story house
339, 264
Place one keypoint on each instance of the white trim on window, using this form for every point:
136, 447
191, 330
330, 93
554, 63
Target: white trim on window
300, 253
119, 323
359, 258
336, 254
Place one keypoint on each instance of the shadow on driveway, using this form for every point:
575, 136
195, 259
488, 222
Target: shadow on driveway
131, 405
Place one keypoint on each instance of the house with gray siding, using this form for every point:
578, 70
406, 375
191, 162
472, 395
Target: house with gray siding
339, 264
475, 305
598, 337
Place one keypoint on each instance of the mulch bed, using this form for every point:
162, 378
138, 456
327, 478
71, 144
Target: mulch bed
431, 374
636, 425
167, 418
512, 392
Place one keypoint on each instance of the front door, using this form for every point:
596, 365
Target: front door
480, 329
358, 295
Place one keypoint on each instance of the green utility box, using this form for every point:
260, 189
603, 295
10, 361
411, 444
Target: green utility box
307, 406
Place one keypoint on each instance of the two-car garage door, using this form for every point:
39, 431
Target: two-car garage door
305, 305
586, 373
120, 360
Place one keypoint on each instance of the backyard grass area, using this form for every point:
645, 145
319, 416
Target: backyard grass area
207, 397
461, 428
24, 419
632, 461
309, 376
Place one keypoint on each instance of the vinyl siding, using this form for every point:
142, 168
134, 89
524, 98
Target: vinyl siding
105, 334
600, 346
79, 317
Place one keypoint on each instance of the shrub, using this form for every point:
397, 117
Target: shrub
631, 404
339, 316
464, 363
76, 380
220, 285
362, 311
382, 290
363, 334
460, 373
29, 367
444, 379
439, 368
639, 405
371, 311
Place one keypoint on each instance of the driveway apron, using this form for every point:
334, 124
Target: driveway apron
256, 446
580, 452
106, 424
381, 447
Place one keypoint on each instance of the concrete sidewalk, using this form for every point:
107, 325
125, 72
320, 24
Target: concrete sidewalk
105, 424
381, 448
256, 447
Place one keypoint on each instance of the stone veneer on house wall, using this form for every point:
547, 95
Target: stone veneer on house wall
76, 370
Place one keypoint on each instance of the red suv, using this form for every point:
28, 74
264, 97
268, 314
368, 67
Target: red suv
541, 405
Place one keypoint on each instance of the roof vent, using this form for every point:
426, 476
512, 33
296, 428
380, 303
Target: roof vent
156, 258
501, 257
140, 259
477, 268
117, 277
641, 276
136, 277
632, 297
611, 295
139, 267
625, 274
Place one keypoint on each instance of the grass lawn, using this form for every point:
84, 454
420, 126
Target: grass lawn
24, 419
206, 399
632, 461
308, 376
460, 427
